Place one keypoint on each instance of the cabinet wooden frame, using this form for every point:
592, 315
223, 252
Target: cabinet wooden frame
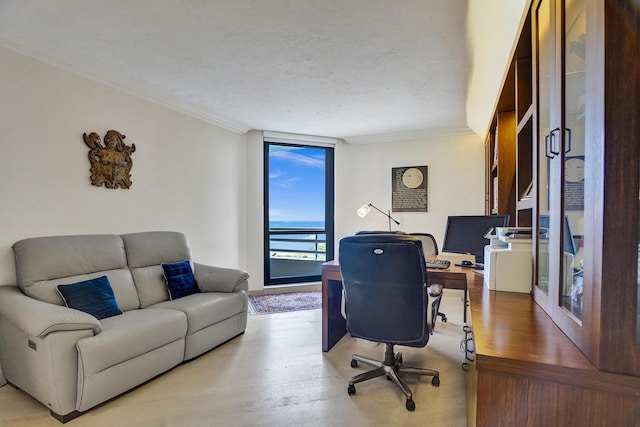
614, 222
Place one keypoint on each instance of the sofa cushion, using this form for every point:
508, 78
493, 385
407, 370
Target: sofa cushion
46, 258
93, 296
145, 252
129, 335
155, 247
180, 279
121, 283
43, 263
207, 308
150, 285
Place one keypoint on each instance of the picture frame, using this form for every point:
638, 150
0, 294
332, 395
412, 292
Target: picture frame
409, 189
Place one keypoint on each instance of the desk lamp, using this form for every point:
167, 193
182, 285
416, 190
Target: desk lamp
366, 208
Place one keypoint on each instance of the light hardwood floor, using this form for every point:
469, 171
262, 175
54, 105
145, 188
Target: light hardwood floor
276, 375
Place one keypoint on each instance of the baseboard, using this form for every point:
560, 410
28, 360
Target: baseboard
284, 289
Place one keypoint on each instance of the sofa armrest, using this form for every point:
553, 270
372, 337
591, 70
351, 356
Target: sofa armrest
39, 318
219, 279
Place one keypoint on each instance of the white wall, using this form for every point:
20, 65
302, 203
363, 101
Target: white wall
455, 182
493, 26
255, 210
187, 175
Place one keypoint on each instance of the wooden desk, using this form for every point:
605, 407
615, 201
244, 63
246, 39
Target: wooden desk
333, 324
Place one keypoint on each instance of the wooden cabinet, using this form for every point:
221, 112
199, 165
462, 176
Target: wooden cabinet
502, 174
570, 354
509, 176
560, 36
563, 156
587, 134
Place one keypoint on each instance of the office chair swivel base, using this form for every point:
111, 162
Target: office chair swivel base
392, 367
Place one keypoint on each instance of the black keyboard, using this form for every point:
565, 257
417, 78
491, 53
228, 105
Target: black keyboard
441, 264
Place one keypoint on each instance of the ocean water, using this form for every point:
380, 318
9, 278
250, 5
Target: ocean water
296, 224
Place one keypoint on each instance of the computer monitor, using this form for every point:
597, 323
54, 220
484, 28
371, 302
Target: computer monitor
569, 244
465, 234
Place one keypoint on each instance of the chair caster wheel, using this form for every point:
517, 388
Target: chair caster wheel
351, 389
435, 381
411, 405
354, 363
444, 320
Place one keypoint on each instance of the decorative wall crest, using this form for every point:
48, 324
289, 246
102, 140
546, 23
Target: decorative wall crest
111, 163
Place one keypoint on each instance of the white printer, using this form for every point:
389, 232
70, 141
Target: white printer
507, 259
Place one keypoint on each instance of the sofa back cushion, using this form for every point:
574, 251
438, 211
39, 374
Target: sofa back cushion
43, 263
145, 253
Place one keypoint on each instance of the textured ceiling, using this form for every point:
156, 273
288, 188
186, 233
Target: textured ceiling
354, 69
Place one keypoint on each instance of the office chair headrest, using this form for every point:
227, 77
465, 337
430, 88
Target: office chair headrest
378, 232
382, 237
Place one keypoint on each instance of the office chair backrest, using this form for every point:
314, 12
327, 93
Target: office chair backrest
384, 279
429, 244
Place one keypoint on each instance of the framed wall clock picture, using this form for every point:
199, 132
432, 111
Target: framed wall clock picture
409, 189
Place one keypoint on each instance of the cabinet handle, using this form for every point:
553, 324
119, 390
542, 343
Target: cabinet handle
553, 139
546, 147
567, 144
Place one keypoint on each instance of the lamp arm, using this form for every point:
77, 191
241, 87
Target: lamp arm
385, 214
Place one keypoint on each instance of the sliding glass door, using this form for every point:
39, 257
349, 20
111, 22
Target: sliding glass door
298, 212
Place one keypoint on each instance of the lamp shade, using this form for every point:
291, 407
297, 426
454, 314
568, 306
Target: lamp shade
363, 211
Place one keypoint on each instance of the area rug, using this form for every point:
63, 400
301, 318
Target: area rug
278, 303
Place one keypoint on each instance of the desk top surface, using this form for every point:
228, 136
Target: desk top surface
452, 271
510, 325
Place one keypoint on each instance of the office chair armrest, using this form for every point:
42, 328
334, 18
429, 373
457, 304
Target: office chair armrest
435, 290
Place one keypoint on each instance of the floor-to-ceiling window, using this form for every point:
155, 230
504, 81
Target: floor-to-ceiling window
298, 208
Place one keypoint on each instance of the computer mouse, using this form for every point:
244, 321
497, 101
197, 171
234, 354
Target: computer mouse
466, 263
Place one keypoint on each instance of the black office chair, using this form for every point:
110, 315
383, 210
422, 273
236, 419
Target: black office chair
430, 247
429, 244
384, 280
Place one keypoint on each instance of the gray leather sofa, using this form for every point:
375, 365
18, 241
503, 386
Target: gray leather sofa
71, 361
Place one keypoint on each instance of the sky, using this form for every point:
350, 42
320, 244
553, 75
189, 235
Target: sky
296, 183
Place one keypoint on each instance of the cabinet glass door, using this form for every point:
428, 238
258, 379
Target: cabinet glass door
544, 69
574, 53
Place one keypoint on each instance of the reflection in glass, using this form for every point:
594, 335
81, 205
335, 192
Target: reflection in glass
544, 70
574, 154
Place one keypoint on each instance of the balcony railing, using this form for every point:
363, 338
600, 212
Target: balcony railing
298, 243
296, 253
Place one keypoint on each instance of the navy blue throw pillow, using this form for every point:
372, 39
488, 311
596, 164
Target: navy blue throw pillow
93, 296
180, 279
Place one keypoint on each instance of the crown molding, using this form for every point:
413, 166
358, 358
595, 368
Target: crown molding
72, 65
410, 135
